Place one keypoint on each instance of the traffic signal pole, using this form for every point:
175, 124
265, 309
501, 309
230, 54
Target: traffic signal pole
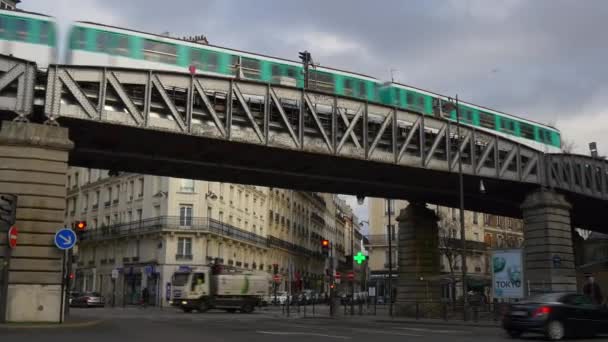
8, 213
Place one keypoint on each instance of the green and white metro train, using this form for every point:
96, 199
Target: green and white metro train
33, 36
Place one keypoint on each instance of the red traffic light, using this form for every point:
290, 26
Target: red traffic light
325, 243
71, 275
81, 225
351, 275
332, 286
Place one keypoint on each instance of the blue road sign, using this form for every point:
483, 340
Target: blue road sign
65, 238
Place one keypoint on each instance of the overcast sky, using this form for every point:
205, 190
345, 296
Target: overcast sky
542, 59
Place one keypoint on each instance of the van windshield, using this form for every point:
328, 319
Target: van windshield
180, 279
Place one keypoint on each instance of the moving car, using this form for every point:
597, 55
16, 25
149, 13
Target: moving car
556, 315
88, 299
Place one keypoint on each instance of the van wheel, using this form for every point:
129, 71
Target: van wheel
187, 310
247, 308
202, 307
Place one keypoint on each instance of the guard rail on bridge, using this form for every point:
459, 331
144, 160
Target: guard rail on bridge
285, 117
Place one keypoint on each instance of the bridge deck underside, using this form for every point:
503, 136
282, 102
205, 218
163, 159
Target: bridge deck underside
168, 154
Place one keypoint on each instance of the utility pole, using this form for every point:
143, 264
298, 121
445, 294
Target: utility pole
8, 214
352, 260
462, 229
306, 58
390, 259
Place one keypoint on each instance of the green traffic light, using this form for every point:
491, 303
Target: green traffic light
359, 258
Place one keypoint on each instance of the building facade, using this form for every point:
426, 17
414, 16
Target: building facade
142, 228
483, 232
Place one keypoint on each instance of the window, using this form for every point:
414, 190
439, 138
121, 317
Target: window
196, 58
160, 52
507, 125
527, 130
85, 202
184, 247
348, 86
69, 182
276, 71
321, 81
131, 189
2, 27
209, 212
389, 204
486, 120
475, 219
197, 279
221, 191
97, 195
45, 27
466, 115
476, 235
186, 185
362, 92
486, 219
231, 194
122, 46
102, 41
139, 214
391, 231
221, 216
185, 215
141, 188
250, 68
21, 27
212, 61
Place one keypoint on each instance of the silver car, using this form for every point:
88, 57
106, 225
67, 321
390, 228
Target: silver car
89, 299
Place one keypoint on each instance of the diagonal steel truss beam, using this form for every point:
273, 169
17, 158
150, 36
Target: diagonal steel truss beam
438, 138
350, 127
461, 148
315, 117
277, 103
158, 84
200, 90
387, 121
485, 154
68, 81
241, 99
133, 111
415, 128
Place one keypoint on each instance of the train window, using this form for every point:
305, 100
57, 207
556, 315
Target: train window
234, 65
21, 27
486, 120
545, 136
420, 101
102, 41
409, 98
291, 72
362, 92
507, 125
212, 61
122, 46
160, 52
2, 27
251, 68
466, 115
276, 71
45, 27
322, 81
348, 86
527, 130
196, 58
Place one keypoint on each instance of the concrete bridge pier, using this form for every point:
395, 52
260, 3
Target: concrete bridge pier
33, 166
419, 266
549, 263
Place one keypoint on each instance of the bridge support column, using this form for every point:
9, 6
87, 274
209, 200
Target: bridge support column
418, 290
548, 252
33, 166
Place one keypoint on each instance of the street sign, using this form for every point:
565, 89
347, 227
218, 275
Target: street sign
65, 238
372, 291
12, 237
277, 278
114, 274
359, 258
168, 291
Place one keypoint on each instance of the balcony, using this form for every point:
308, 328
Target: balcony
115, 202
317, 219
107, 204
380, 240
183, 256
172, 224
95, 206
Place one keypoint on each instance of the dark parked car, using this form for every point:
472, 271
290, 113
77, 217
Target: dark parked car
556, 315
88, 299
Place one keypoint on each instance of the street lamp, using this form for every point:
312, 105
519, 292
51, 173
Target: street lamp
390, 259
451, 104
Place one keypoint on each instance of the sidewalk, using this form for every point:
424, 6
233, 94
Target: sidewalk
381, 316
70, 323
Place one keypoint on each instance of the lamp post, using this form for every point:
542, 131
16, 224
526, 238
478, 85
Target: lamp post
390, 259
463, 239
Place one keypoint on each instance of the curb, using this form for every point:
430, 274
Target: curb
50, 325
445, 323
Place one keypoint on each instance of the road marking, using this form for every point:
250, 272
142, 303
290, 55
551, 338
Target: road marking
434, 330
303, 334
383, 332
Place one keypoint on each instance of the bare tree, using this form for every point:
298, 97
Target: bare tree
448, 248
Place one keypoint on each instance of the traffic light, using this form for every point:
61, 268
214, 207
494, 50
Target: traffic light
275, 268
325, 247
8, 210
332, 286
305, 57
81, 225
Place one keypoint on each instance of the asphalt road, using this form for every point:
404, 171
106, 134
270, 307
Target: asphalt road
151, 325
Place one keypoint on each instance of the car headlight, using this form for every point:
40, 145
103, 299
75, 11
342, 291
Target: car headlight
184, 302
